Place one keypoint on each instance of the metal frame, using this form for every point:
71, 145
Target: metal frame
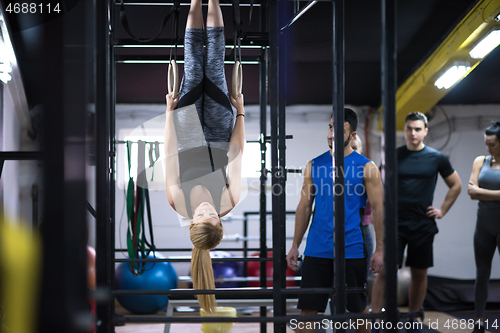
104, 93
64, 294
66, 92
339, 298
389, 87
273, 56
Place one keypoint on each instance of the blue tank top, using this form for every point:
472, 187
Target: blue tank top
320, 237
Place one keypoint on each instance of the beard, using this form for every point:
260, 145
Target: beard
347, 141
330, 142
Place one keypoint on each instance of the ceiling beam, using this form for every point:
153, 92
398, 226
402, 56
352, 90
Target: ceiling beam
418, 92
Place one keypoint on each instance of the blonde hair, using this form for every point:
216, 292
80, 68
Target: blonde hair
204, 236
356, 141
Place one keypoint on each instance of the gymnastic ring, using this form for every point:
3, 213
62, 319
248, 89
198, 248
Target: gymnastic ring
173, 78
237, 79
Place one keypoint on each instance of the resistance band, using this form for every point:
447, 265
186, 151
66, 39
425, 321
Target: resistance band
137, 202
124, 21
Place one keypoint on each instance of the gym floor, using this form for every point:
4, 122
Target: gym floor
455, 322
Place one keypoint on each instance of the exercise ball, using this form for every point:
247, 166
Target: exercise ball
253, 268
223, 270
404, 278
218, 327
157, 276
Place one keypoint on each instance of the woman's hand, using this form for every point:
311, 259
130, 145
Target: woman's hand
172, 102
238, 103
472, 189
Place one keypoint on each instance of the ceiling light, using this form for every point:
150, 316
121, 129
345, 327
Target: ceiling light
4, 77
497, 18
454, 74
486, 45
5, 67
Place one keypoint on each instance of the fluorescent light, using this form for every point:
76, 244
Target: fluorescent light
454, 74
4, 77
497, 18
5, 67
486, 45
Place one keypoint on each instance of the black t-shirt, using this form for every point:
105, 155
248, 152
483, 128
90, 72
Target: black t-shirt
417, 177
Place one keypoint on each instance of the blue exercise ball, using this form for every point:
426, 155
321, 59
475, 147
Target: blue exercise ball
157, 276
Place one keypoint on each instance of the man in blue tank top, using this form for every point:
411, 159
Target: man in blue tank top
418, 169
362, 181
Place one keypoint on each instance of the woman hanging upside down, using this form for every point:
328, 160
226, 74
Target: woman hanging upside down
203, 147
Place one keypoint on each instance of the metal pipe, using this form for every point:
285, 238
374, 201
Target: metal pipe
169, 46
188, 259
264, 17
233, 292
389, 170
112, 157
166, 61
34, 197
245, 243
191, 249
299, 14
275, 319
65, 97
277, 83
104, 229
338, 165
181, 4
18, 156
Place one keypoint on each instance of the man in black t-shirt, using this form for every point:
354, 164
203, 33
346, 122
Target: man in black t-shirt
418, 169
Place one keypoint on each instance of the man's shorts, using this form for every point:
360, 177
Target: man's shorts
420, 252
318, 273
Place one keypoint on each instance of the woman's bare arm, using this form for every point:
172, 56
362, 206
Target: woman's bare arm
475, 192
231, 195
172, 177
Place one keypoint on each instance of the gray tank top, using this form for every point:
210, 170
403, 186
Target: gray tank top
489, 179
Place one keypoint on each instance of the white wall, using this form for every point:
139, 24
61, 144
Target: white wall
10, 175
308, 124
454, 253
18, 176
453, 245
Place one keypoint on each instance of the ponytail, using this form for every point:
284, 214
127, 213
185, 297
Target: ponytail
204, 236
202, 275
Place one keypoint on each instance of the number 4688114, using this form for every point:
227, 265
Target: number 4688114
32, 8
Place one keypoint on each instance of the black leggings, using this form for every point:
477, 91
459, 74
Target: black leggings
486, 240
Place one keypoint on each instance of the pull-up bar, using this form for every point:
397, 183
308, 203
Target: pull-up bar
117, 2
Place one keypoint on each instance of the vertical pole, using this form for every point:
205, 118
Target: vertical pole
277, 79
104, 227
62, 63
245, 244
389, 171
338, 116
112, 159
263, 169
